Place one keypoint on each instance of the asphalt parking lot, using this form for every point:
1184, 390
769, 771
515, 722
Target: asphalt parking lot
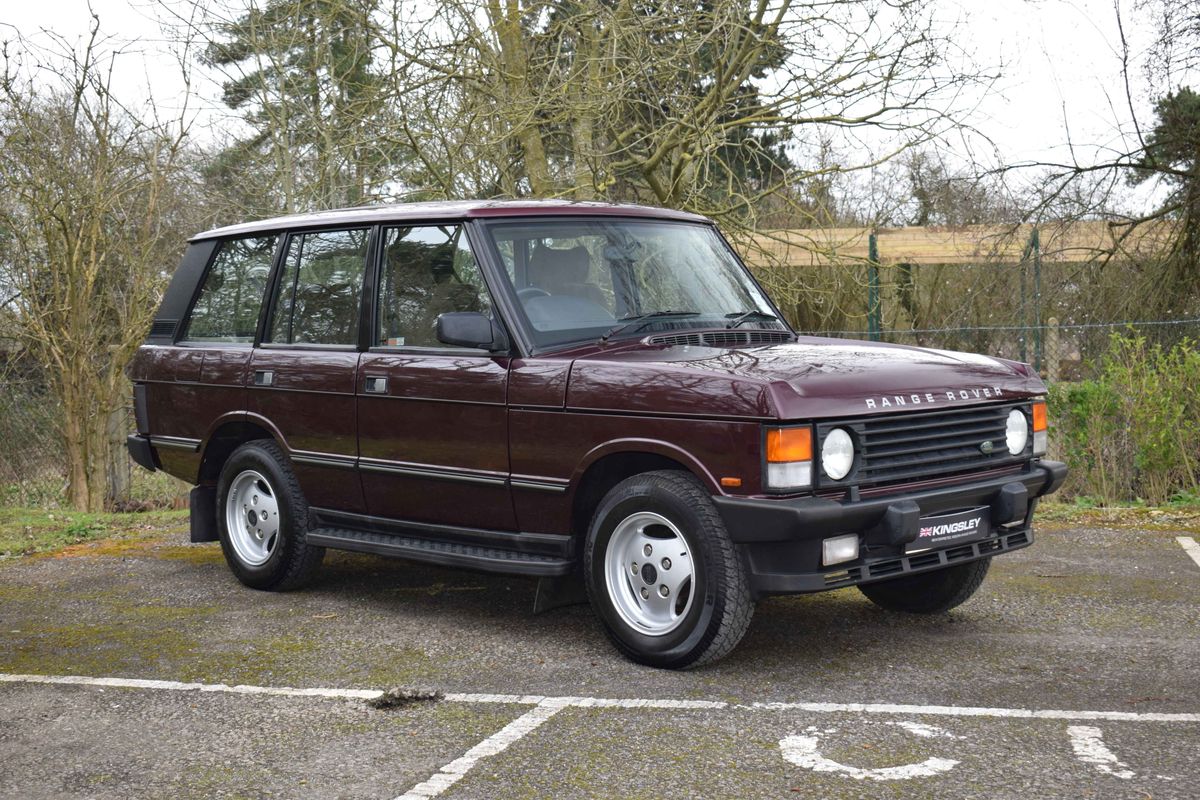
143, 669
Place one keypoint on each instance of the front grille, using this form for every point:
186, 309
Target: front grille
731, 338
911, 447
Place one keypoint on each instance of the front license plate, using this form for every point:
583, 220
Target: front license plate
950, 529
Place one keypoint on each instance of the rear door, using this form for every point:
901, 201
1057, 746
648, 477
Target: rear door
432, 425
303, 374
198, 381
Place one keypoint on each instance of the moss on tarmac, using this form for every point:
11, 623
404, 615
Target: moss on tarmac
1091, 617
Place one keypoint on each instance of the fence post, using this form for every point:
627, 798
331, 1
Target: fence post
874, 310
1039, 352
1053, 343
1024, 337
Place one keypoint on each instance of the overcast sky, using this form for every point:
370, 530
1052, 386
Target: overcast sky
1061, 62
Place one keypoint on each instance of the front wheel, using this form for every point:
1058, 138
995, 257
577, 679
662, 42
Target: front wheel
662, 574
929, 592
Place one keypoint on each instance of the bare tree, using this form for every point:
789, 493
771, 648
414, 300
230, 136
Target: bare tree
718, 107
1158, 151
87, 208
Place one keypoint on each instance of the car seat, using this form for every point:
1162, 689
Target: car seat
565, 272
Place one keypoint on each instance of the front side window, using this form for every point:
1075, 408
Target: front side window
229, 302
319, 293
427, 270
578, 279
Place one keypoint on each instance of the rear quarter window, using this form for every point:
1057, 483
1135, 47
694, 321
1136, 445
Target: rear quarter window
227, 307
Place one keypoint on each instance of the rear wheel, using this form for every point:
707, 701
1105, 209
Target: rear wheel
929, 592
262, 519
662, 573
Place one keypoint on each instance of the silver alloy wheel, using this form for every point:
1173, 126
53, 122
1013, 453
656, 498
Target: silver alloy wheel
252, 518
649, 573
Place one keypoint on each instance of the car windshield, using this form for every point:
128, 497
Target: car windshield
582, 279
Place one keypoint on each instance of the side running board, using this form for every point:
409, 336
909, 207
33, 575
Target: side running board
446, 554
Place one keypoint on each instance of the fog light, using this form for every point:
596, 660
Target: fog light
839, 549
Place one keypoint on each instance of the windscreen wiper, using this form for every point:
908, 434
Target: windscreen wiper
642, 320
738, 317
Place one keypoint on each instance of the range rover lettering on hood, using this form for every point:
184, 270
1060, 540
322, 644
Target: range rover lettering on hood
932, 398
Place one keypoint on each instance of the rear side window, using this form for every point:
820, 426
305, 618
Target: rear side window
320, 288
229, 302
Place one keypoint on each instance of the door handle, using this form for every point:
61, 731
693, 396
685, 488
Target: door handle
264, 377
376, 385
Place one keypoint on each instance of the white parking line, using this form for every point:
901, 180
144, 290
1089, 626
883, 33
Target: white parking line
1190, 547
800, 750
568, 701
971, 711
498, 742
1088, 744
177, 686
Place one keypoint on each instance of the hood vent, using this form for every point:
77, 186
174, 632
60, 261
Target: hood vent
732, 338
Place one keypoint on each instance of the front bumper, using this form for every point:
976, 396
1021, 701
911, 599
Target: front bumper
782, 538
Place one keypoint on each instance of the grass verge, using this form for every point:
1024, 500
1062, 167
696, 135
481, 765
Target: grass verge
1173, 516
26, 531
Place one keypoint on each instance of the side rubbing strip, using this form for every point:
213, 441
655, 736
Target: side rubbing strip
176, 443
323, 460
430, 473
535, 485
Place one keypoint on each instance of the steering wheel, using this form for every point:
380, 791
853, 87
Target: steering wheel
530, 292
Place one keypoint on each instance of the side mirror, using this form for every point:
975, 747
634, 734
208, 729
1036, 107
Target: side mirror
470, 329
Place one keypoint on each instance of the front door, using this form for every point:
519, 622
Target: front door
302, 376
432, 423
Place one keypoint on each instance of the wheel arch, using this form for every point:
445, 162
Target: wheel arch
227, 435
608, 465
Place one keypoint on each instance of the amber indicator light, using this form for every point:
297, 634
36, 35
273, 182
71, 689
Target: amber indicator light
789, 444
731, 483
1039, 416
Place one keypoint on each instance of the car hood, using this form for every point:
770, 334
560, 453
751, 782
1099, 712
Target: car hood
811, 378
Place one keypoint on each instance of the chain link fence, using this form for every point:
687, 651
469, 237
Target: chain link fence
32, 469
33, 465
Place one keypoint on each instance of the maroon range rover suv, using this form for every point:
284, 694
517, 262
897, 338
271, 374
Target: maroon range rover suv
574, 391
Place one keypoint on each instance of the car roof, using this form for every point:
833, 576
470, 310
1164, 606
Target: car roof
447, 210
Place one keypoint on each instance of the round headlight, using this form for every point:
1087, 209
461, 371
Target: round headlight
837, 454
1016, 432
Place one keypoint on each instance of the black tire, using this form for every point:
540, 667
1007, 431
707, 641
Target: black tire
292, 561
720, 606
929, 592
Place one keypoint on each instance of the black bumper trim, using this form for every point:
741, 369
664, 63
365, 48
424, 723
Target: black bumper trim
141, 452
877, 569
754, 520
